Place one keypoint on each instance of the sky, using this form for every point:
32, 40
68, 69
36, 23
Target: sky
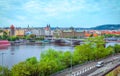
59, 13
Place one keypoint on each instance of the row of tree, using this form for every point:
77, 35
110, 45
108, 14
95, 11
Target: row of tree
52, 61
110, 35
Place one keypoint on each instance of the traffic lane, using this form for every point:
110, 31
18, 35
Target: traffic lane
106, 60
88, 72
105, 68
87, 68
77, 68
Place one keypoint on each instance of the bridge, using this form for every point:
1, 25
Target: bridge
81, 40
70, 39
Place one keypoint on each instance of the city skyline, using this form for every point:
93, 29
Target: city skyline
61, 13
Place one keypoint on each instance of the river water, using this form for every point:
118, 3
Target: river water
15, 54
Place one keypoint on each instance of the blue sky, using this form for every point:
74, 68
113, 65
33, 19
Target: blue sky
61, 13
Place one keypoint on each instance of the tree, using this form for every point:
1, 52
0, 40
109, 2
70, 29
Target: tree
83, 53
4, 36
30, 67
66, 59
92, 49
13, 38
51, 62
117, 48
4, 71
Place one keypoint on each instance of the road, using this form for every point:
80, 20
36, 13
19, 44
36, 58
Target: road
90, 69
105, 68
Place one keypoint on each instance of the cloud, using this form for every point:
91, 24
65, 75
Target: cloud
53, 7
39, 11
21, 17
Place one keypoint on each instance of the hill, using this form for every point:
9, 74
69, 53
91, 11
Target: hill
107, 27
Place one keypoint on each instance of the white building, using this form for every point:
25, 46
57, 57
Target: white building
38, 31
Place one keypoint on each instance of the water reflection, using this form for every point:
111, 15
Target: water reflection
12, 49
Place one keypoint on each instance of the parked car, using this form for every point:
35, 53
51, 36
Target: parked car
100, 64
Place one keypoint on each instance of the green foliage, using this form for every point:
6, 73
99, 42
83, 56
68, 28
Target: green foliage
51, 61
32, 60
83, 53
91, 35
0, 37
92, 50
28, 68
32, 36
21, 69
13, 38
117, 48
4, 71
4, 36
40, 38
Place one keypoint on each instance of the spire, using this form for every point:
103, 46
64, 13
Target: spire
28, 26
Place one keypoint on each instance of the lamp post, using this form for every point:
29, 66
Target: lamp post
2, 57
71, 59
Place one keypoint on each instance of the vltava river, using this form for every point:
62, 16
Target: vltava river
15, 54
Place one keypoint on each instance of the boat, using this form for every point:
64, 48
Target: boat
45, 41
17, 41
4, 43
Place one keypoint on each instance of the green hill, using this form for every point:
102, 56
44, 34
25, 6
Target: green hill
107, 27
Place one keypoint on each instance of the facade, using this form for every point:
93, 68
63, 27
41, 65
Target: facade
72, 33
48, 32
56, 33
19, 32
115, 32
38, 32
93, 33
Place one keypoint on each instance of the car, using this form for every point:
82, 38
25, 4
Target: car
100, 64
115, 58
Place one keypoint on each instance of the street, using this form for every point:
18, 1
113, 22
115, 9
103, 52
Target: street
90, 69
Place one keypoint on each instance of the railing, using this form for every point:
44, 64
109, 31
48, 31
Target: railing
68, 69
105, 73
80, 72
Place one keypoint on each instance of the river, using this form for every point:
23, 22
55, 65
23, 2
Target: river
15, 54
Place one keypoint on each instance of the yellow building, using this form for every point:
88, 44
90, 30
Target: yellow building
19, 32
5, 30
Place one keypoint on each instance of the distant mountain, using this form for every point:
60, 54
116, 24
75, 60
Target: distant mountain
100, 27
107, 27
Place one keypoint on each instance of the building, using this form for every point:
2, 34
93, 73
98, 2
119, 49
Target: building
92, 33
115, 32
72, 33
56, 33
48, 32
12, 30
19, 32
38, 32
